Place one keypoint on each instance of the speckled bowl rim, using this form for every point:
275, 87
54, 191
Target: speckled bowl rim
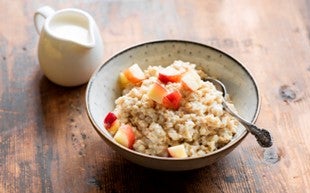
227, 146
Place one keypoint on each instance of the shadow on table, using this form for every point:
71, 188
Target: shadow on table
129, 177
60, 105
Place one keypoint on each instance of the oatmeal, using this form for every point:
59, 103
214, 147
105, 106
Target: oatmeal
170, 112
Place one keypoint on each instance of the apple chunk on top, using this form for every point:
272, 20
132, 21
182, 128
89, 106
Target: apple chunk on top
169, 74
134, 74
191, 80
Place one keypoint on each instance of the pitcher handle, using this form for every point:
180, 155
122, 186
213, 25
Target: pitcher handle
40, 15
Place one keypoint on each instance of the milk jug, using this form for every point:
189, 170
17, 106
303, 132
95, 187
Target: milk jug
70, 46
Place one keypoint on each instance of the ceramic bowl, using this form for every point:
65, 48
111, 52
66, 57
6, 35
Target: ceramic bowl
103, 89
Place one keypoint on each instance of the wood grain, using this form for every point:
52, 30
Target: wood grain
47, 143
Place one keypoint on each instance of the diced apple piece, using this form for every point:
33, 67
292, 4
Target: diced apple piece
114, 127
177, 151
109, 119
125, 136
191, 80
169, 74
157, 93
123, 80
111, 123
134, 74
172, 100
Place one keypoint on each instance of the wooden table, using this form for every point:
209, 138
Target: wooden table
47, 143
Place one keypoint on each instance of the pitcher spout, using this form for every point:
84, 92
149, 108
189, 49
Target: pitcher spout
89, 41
74, 26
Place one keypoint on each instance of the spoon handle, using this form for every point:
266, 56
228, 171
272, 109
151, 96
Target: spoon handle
262, 136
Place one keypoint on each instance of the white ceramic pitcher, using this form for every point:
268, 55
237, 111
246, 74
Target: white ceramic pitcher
70, 47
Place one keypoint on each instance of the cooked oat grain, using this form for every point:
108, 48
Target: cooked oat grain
200, 123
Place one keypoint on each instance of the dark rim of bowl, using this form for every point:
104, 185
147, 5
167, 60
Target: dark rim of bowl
232, 143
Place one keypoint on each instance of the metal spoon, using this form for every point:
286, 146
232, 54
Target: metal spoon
262, 136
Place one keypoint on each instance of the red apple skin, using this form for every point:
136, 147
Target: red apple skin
172, 100
169, 75
125, 136
131, 136
172, 78
109, 120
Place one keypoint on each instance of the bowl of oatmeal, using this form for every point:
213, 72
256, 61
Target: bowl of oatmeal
150, 104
